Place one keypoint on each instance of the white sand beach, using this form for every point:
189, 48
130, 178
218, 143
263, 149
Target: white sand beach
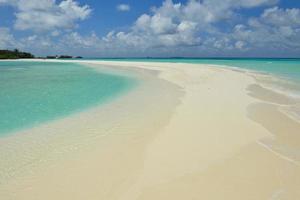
188, 131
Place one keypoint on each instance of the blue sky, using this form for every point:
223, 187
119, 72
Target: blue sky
160, 28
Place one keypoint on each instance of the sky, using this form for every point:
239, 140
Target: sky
156, 28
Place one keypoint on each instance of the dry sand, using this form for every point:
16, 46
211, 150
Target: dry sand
187, 132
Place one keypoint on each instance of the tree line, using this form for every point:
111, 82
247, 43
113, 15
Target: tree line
15, 54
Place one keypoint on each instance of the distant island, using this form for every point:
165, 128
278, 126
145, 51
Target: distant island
15, 54
63, 57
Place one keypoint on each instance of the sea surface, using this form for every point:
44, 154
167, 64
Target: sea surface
35, 92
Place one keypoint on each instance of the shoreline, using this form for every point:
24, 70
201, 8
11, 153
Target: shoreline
198, 129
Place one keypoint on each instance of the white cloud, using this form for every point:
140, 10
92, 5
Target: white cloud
123, 7
55, 33
254, 3
214, 10
192, 28
177, 24
75, 39
173, 29
47, 15
195, 25
239, 45
7, 40
7, 2
277, 29
282, 17
167, 26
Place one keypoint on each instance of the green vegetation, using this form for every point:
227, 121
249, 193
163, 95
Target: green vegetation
16, 54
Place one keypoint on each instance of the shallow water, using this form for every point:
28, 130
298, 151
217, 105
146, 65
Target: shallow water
36, 92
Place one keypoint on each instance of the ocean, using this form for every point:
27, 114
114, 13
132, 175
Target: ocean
36, 92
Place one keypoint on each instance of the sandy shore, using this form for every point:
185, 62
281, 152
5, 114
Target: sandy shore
187, 132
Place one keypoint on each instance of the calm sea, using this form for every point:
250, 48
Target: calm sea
36, 92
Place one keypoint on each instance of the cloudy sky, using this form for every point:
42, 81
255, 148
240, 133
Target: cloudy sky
162, 28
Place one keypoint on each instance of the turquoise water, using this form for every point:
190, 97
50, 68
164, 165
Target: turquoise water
34, 92
288, 68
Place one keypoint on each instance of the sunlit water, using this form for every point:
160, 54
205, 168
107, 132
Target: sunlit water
35, 92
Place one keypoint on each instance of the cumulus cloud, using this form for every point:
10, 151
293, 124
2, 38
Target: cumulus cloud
3, 2
194, 28
252, 3
209, 11
282, 17
7, 40
189, 24
123, 7
167, 26
47, 15
276, 28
